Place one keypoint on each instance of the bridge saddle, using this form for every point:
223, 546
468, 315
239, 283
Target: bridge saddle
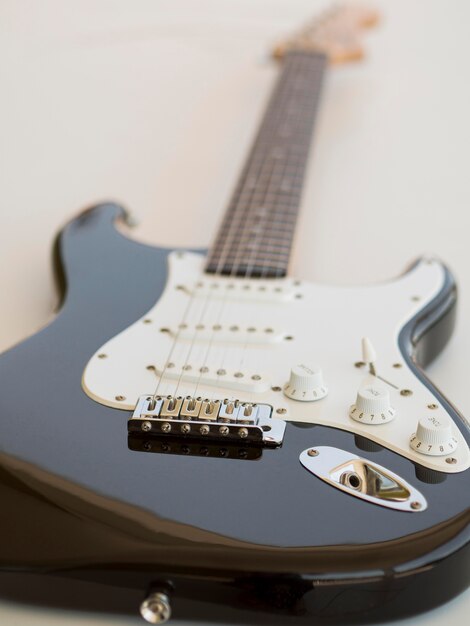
201, 418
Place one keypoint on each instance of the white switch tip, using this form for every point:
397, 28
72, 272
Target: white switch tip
368, 352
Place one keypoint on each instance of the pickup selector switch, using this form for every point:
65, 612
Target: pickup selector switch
372, 405
305, 384
433, 436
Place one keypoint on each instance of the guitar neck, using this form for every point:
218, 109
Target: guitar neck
256, 234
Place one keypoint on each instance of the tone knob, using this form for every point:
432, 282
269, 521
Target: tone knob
305, 384
433, 436
372, 405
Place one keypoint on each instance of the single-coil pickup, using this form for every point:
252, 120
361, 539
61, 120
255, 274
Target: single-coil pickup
226, 334
207, 375
254, 290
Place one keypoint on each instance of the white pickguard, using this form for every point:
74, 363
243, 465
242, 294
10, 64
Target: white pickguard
256, 330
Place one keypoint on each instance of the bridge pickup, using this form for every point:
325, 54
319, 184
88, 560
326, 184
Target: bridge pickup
210, 420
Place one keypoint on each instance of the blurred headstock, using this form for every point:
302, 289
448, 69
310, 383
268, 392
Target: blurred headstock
335, 32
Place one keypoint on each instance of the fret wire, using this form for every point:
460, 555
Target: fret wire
283, 138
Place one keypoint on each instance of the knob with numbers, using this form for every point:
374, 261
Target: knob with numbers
433, 436
372, 405
305, 384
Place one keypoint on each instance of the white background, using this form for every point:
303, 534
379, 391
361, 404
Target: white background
154, 103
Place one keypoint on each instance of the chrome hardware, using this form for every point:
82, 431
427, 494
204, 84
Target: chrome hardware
156, 608
209, 419
362, 478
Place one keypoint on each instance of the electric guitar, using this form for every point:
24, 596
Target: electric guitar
200, 433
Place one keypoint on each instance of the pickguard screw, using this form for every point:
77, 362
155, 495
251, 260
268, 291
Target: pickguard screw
433, 406
416, 298
256, 377
359, 364
151, 368
204, 369
166, 427
451, 460
281, 411
120, 398
102, 356
224, 430
170, 365
221, 372
185, 429
164, 330
238, 374
147, 321
406, 392
146, 426
397, 365
415, 505
313, 452
276, 388
204, 430
243, 432
289, 338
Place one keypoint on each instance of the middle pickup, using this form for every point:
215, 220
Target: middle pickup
226, 334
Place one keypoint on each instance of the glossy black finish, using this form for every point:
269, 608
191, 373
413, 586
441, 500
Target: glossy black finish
256, 533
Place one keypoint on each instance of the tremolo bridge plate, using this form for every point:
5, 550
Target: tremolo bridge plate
209, 420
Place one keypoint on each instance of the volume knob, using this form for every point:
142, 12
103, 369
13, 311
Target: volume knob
305, 384
433, 436
372, 405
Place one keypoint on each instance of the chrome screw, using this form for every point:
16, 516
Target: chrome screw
224, 430
243, 432
146, 426
156, 608
313, 452
406, 392
451, 460
281, 411
185, 429
204, 430
415, 506
166, 427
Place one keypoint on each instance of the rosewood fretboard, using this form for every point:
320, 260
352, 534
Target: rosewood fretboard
255, 237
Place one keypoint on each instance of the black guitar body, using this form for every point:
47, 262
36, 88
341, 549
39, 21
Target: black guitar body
90, 523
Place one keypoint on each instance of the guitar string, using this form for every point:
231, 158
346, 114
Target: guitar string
232, 275
278, 101
293, 124
233, 230
232, 234
234, 271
